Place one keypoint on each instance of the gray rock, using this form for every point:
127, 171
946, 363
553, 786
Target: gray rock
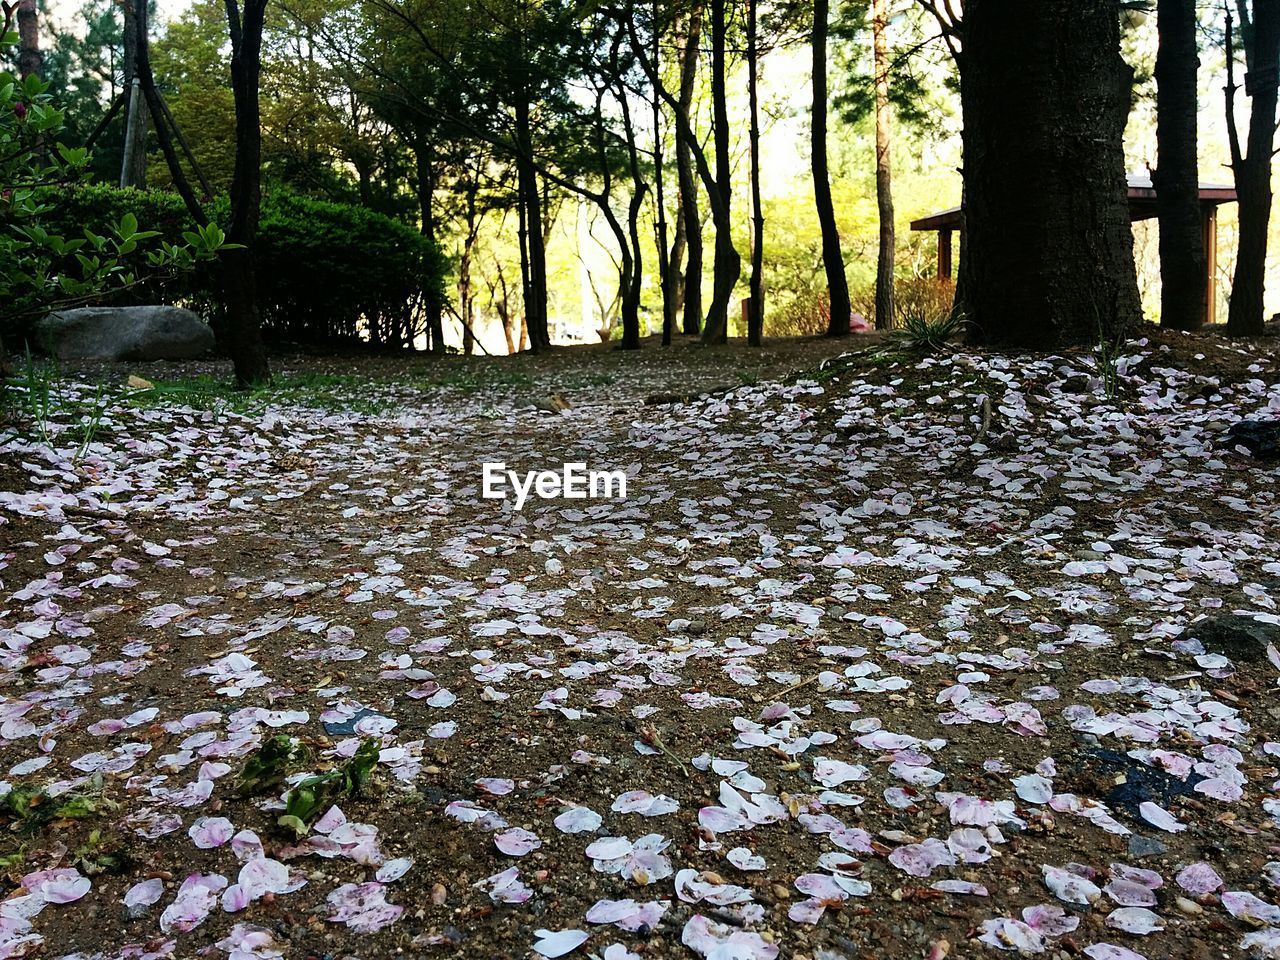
1240, 639
1260, 437
125, 333
1140, 846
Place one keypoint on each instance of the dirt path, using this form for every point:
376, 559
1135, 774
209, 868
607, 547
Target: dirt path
833, 680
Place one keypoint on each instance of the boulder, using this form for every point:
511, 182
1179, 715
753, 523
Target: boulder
1239, 639
1260, 437
125, 333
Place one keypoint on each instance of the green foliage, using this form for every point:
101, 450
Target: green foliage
924, 330
41, 263
101, 855
316, 793
30, 808
267, 766
326, 271
83, 65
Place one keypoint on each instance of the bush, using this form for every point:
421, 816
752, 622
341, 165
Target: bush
43, 265
327, 272
915, 300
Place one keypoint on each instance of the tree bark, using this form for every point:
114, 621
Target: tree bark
665, 270
248, 354
1048, 257
1183, 266
424, 165
633, 263
755, 305
832, 259
30, 57
728, 265
1261, 36
690, 225
887, 253
531, 195
133, 166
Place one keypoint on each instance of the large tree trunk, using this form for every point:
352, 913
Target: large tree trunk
30, 58
248, 354
884, 168
755, 305
1253, 170
690, 225
1183, 266
728, 265
832, 258
1048, 258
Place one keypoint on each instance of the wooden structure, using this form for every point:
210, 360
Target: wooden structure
1142, 206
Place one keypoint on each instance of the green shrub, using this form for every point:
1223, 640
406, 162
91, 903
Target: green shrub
47, 260
326, 271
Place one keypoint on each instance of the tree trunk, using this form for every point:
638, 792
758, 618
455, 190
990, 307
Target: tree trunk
665, 269
1183, 267
536, 294
633, 273
884, 168
690, 225
133, 166
248, 354
755, 305
728, 265
424, 166
30, 58
1245, 318
832, 258
1048, 259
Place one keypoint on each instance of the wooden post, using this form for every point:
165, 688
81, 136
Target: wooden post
1211, 264
944, 254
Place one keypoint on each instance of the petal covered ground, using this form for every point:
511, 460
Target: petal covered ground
883, 660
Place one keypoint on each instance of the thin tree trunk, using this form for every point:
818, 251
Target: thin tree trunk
1183, 266
665, 269
465, 297
717, 188
1253, 169
30, 58
832, 258
1048, 260
526, 289
424, 164
887, 253
536, 297
248, 354
690, 225
755, 305
633, 272
133, 166
728, 265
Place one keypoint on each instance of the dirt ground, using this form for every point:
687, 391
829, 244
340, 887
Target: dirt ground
882, 655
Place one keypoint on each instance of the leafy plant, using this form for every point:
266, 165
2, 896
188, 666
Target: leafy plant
267, 766
325, 271
31, 808
1108, 357
927, 331
41, 264
98, 855
315, 793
